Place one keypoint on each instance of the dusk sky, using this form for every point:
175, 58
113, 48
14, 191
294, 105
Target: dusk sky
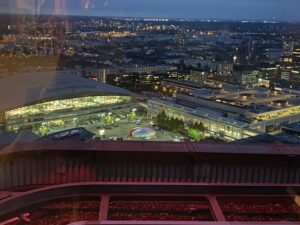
285, 10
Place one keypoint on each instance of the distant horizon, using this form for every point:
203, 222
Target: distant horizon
162, 18
225, 10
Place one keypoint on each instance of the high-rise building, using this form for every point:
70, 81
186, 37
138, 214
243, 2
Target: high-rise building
285, 74
296, 53
249, 77
288, 48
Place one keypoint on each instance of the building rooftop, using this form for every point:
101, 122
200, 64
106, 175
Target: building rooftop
205, 112
7, 137
268, 139
27, 89
254, 101
259, 100
153, 147
294, 127
187, 83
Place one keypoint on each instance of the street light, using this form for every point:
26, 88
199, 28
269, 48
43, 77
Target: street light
74, 121
101, 132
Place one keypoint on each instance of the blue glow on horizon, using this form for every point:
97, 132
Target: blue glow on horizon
281, 10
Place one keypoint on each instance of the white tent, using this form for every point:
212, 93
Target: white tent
144, 133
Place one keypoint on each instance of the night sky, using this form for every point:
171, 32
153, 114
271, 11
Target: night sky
282, 10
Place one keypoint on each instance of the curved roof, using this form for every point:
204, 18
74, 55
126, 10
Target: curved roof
21, 90
143, 133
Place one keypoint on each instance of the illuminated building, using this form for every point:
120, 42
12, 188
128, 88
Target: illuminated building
198, 76
287, 53
135, 82
232, 113
288, 48
136, 70
225, 69
296, 53
285, 74
39, 98
174, 86
249, 77
292, 129
215, 123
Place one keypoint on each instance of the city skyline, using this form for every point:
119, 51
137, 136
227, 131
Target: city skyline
278, 10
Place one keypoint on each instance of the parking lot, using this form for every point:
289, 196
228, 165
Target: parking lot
120, 129
123, 127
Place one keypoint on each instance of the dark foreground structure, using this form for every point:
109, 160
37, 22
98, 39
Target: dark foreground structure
116, 182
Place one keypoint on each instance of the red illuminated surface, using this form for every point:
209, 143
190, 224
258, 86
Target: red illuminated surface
16, 220
125, 170
62, 213
259, 210
160, 210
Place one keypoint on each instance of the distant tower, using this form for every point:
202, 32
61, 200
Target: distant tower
288, 47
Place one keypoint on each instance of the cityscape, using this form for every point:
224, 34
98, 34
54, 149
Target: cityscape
230, 80
149, 116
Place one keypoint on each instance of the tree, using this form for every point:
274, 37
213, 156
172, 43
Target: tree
198, 126
169, 123
197, 131
132, 116
162, 120
141, 111
43, 131
179, 125
195, 134
109, 119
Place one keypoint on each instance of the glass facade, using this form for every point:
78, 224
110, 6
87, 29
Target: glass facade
65, 105
225, 130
